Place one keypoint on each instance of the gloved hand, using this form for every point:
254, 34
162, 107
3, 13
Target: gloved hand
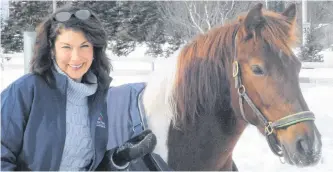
137, 147
134, 148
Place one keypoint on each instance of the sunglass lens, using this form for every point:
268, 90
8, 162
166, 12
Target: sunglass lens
63, 16
83, 14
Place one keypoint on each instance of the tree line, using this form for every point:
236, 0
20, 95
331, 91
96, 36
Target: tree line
162, 25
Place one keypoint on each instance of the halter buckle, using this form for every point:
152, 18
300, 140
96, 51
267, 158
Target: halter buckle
235, 69
269, 129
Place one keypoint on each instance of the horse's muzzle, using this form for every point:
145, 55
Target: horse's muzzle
303, 147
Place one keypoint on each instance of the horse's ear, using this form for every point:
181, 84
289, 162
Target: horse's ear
290, 12
253, 19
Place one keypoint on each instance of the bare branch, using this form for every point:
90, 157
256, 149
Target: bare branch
231, 9
193, 20
185, 19
194, 5
207, 17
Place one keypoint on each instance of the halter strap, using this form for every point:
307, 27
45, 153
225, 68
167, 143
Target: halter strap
293, 119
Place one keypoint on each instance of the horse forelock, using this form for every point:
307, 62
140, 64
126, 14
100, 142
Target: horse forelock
277, 31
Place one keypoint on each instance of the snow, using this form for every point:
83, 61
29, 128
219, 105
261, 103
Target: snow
317, 73
252, 152
322, 25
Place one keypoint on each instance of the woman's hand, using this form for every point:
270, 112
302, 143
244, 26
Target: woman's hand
120, 157
134, 148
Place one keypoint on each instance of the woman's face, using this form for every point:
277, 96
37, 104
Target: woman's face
73, 53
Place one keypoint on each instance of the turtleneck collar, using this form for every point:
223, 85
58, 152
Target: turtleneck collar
78, 91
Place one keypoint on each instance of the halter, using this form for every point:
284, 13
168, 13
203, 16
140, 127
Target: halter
269, 126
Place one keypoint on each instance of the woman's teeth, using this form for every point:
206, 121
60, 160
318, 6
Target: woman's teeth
76, 66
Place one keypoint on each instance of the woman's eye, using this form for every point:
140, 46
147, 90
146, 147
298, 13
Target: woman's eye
83, 46
257, 70
66, 47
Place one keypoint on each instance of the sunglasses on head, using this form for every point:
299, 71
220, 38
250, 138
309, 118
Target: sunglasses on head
80, 14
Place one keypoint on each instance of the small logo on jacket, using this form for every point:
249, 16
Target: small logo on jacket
100, 122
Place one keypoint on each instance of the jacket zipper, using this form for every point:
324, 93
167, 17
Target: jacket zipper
94, 147
64, 126
93, 130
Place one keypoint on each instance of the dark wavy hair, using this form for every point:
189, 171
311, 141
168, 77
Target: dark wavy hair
47, 31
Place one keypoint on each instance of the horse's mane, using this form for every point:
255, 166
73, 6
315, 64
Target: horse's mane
201, 85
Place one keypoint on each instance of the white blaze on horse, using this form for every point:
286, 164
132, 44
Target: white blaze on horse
238, 74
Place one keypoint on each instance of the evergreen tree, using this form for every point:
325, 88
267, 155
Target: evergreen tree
310, 51
23, 16
140, 23
128, 23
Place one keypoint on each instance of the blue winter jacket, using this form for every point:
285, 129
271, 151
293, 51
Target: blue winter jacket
33, 124
127, 119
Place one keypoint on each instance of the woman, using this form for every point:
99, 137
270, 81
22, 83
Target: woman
55, 117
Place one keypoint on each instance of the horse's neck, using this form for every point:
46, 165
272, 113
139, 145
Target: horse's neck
206, 145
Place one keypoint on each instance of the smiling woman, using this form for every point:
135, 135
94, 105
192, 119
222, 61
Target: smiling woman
50, 118
52, 106
56, 117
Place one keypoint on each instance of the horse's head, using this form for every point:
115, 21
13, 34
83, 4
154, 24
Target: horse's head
267, 93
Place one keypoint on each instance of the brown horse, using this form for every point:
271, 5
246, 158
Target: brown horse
238, 74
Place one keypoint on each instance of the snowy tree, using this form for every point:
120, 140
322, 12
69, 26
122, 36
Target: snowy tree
154, 23
310, 52
321, 18
129, 23
23, 16
185, 19
139, 23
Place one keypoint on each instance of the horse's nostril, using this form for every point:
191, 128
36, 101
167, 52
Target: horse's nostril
303, 147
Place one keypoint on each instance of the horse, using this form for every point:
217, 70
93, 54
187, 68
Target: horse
238, 74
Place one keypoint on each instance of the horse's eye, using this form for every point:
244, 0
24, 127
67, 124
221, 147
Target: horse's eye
257, 70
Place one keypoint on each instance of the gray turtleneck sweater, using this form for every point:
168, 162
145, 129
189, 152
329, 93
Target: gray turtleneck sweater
78, 150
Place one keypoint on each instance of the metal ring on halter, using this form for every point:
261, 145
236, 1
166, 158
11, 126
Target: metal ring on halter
241, 92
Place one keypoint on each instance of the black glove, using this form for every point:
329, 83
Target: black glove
134, 148
119, 157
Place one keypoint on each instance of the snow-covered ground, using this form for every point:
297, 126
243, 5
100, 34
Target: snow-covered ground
252, 152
